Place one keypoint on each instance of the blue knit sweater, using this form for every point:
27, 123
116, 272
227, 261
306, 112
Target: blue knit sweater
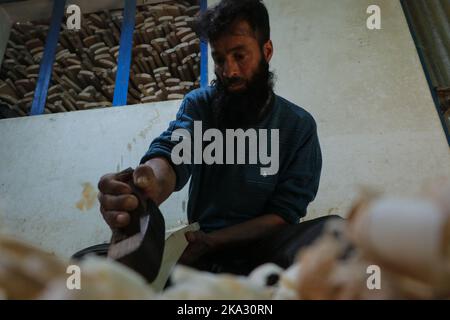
222, 195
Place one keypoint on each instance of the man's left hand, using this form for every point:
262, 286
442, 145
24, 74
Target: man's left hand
200, 243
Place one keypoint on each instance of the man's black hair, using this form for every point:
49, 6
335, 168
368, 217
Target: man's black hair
217, 20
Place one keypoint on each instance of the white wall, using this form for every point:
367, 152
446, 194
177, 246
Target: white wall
377, 124
51, 164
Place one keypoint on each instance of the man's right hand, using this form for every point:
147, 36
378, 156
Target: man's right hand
116, 198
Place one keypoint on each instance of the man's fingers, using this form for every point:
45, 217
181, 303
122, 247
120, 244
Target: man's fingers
118, 203
116, 219
124, 175
115, 187
143, 177
113, 181
116, 199
188, 257
191, 236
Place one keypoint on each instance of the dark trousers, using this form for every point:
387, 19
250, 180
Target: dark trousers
280, 247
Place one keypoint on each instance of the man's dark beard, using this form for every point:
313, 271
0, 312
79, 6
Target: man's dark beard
245, 108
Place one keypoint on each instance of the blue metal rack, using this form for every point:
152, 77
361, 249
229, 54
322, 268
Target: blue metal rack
203, 53
124, 61
45, 71
125, 47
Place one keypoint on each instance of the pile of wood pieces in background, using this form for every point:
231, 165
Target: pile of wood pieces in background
165, 59
20, 67
166, 54
388, 248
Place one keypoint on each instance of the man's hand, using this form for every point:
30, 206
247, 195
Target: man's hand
155, 178
200, 243
116, 200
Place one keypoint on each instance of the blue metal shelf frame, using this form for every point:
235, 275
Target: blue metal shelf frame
125, 51
45, 70
203, 53
124, 60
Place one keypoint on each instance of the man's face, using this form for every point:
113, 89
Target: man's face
237, 56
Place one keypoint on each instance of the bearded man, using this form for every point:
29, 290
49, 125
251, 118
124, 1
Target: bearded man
246, 218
